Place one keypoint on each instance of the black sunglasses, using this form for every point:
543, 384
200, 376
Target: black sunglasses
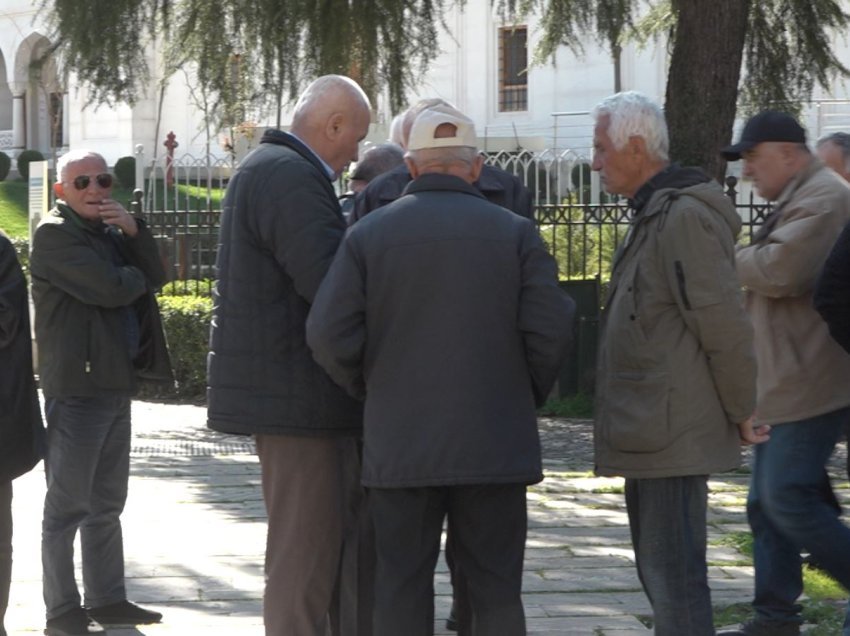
82, 182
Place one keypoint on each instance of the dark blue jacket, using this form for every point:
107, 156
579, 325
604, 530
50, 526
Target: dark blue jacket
832, 293
444, 311
280, 228
21, 429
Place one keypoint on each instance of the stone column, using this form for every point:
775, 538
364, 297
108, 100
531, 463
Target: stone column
19, 132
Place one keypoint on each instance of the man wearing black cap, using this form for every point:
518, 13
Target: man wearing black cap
803, 390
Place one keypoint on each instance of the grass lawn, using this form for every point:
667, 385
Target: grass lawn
13, 208
823, 608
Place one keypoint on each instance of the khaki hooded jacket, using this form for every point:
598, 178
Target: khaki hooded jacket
676, 369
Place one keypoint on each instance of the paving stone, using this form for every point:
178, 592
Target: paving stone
195, 532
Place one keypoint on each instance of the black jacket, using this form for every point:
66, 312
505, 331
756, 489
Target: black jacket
21, 429
497, 186
280, 228
444, 311
832, 293
88, 280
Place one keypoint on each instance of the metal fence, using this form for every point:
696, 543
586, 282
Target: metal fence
580, 224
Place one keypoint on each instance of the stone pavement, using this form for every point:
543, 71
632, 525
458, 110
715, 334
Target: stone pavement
194, 531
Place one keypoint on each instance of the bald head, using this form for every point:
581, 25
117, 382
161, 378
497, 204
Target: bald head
332, 117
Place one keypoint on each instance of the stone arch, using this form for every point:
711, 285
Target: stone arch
41, 89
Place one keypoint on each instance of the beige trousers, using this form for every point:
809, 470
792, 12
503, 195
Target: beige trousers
313, 497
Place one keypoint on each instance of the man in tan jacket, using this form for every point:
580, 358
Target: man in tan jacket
803, 388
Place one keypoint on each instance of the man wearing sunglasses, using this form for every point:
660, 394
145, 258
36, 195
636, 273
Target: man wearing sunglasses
95, 269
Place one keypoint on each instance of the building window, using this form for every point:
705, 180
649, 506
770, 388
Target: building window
56, 115
513, 69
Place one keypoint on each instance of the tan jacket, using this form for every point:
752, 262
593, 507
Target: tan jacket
676, 369
803, 372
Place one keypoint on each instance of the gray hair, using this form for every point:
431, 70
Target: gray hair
377, 160
74, 156
840, 140
443, 157
633, 114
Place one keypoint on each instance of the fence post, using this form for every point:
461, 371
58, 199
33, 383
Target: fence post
731, 182
139, 152
136, 203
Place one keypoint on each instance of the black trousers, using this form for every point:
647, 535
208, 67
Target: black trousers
488, 528
5, 549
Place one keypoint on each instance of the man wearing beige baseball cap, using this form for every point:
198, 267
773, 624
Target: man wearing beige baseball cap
442, 311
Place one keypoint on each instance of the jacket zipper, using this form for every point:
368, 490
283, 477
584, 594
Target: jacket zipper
680, 278
88, 348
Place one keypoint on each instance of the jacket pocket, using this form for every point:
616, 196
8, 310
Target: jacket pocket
637, 409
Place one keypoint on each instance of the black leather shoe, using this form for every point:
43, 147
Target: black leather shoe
75, 622
764, 628
124, 613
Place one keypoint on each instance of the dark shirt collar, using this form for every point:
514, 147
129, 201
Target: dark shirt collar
673, 176
644, 194
438, 181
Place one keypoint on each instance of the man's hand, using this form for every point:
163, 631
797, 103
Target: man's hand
752, 433
113, 213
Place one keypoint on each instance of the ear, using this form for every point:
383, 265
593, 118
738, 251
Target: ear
412, 168
636, 145
475, 168
59, 190
333, 127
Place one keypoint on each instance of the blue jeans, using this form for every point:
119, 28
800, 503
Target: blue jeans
789, 511
88, 467
667, 519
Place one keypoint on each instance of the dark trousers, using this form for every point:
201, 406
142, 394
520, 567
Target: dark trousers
5, 549
311, 488
488, 525
667, 519
87, 469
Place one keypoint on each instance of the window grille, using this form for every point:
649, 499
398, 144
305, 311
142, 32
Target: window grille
513, 69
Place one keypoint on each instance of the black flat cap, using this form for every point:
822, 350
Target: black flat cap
768, 125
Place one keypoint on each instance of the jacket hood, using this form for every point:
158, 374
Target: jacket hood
695, 183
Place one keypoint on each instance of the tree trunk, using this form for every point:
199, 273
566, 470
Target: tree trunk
702, 86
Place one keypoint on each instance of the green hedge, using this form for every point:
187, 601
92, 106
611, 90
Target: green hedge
5, 165
186, 321
24, 160
125, 172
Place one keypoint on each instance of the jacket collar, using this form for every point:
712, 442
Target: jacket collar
672, 176
67, 212
280, 138
815, 165
488, 181
435, 181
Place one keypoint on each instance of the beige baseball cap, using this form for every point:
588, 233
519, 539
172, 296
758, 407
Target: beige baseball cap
422, 134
